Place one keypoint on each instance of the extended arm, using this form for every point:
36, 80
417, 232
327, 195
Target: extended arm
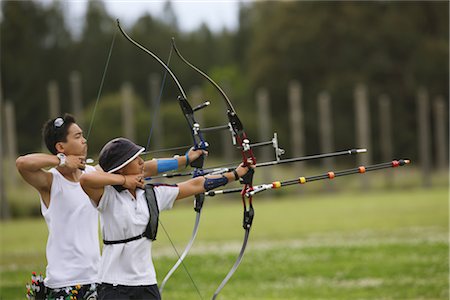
197, 185
156, 166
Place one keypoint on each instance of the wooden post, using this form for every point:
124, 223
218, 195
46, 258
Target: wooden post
296, 119
264, 128
326, 133
440, 133
386, 134
325, 127
4, 205
53, 99
363, 134
127, 111
424, 133
157, 141
77, 101
264, 122
11, 142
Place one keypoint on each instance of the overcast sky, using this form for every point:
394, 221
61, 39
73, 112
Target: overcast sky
190, 13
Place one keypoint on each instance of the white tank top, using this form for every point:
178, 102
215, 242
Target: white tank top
73, 251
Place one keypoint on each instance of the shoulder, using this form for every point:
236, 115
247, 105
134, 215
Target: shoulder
162, 188
109, 196
89, 169
54, 175
53, 171
110, 191
165, 195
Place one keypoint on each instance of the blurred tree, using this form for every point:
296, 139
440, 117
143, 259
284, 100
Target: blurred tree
58, 44
199, 48
241, 39
235, 85
391, 46
155, 35
108, 125
169, 17
33, 45
91, 51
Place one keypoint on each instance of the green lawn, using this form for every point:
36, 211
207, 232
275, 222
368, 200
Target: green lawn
378, 245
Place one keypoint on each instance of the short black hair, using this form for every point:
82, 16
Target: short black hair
54, 132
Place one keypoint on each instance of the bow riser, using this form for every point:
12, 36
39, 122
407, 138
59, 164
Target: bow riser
241, 138
248, 158
199, 142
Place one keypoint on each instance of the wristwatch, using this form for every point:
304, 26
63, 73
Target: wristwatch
62, 159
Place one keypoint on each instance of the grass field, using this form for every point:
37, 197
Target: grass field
380, 245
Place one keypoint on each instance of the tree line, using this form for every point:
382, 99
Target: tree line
395, 48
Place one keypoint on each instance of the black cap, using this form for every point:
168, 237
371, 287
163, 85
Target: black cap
117, 153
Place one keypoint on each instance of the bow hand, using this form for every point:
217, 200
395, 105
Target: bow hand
196, 157
245, 172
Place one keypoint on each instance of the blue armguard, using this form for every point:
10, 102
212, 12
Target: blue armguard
212, 183
165, 165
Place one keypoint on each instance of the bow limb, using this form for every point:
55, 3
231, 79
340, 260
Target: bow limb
235, 266
185, 252
235, 123
248, 158
199, 142
175, 79
216, 86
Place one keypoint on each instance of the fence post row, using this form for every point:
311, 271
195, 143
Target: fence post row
325, 117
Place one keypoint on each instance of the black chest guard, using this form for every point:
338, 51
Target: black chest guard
152, 227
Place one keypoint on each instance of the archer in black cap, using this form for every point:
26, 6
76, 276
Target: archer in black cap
130, 218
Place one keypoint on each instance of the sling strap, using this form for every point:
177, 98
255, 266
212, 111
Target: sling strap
152, 227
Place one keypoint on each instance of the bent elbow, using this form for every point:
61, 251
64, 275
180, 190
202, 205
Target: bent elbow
83, 181
20, 163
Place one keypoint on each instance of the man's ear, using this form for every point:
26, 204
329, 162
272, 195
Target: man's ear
59, 146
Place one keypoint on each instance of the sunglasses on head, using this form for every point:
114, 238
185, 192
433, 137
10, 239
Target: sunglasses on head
58, 122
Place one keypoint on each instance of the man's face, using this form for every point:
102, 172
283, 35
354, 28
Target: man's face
76, 143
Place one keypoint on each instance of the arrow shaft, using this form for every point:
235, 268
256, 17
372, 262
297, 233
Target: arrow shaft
303, 180
312, 157
269, 163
